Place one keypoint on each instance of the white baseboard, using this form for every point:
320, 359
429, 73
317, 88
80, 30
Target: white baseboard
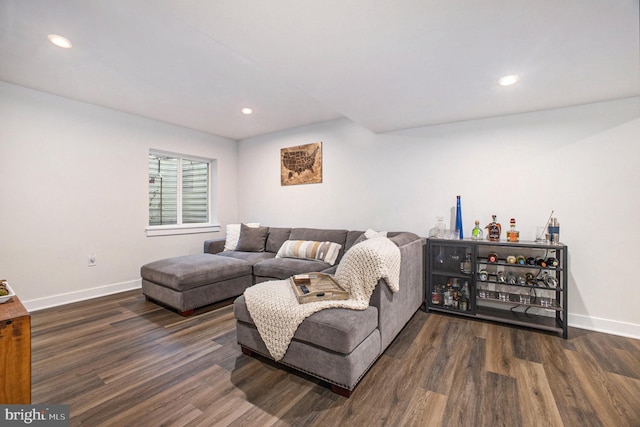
85, 294
613, 327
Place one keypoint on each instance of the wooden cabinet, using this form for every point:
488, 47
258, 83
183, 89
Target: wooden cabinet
15, 353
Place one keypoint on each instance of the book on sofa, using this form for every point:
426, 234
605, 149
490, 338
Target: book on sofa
317, 287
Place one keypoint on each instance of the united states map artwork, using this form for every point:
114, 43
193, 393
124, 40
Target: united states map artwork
301, 164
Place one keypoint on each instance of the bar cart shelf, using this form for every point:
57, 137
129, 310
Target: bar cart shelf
517, 283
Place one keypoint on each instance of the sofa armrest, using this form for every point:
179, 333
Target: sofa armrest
396, 309
214, 246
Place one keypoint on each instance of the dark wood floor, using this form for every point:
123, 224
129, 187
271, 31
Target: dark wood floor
123, 361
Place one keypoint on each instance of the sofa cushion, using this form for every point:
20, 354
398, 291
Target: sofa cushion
283, 268
277, 236
250, 257
233, 235
336, 329
252, 239
338, 236
190, 271
352, 237
308, 249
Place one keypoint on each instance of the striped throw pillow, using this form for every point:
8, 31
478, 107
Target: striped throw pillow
307, 249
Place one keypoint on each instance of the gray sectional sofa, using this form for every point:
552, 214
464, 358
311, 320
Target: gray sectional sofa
335, 345
339, 345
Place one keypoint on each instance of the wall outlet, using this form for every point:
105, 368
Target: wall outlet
91, 259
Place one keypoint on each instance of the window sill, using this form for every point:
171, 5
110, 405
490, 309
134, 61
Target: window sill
172, 230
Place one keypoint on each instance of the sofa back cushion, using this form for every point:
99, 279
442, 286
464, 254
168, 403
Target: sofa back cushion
352, 238
401, 238
277, 236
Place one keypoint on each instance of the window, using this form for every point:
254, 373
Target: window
180, 195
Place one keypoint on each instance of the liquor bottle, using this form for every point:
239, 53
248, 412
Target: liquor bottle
447, 296
465, 290
465, 266
552, 262
494, 230
513, 235
456, 294
476, 234
459, 218
463, 304
436, 296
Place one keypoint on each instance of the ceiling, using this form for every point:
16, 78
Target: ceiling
386, 65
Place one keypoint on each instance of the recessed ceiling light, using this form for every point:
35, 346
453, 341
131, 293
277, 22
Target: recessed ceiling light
508, 80
247, 110
60, 41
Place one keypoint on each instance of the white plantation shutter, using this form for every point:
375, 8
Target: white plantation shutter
195, 192
179, 190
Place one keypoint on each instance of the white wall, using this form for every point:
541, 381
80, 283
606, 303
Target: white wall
582, 162
73, 181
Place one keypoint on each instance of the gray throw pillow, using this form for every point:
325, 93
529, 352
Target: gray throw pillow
252, 239
275, 239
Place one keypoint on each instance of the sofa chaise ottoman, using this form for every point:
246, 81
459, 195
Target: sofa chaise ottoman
193, 281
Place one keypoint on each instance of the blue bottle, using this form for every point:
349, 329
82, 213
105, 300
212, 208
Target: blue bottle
459, 219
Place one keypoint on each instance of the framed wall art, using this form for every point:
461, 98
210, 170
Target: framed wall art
301, 164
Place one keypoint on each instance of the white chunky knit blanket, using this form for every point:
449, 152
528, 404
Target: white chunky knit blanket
277, 314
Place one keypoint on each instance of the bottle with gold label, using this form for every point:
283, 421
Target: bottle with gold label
513, 235
494, 230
